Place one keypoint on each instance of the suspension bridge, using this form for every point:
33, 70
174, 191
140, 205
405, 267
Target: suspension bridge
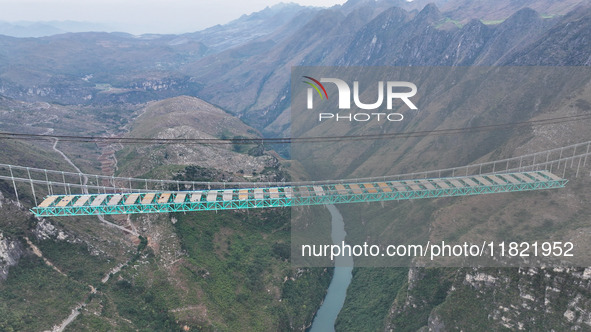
92, 194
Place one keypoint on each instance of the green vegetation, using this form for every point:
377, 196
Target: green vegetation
24, 153
89, 322
239, 260
256, 151
449, 20
369, 298
492, 22
239, 146
102, 86
132, 301
550, 15
465, 311
34, 297
142, 302
75, 260
13, 222
196, 173
429, 290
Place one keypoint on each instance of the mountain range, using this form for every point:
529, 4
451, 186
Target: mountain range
259, 50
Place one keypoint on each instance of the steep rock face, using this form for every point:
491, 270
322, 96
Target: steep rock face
565, 44
498, 10
10, 253
11, 249
431, 38
44, 230
372, 40
513, 34
555, 298
397, 38
525, 299
394, 37
249, 27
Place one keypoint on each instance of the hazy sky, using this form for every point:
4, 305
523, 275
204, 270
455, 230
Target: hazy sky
141, 16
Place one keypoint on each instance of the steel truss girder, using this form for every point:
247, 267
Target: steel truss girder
330, 198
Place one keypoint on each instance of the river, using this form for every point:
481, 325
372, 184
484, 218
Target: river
337, 290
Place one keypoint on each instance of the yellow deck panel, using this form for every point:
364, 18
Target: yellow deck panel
212, 196
180, 198
483, 180
274, 192
65, 200
115, 200
413, 185
227, 195
550, 175
164, 197
427, 184
470, 182
340, 189
442, 184
82, 200
496, 179
318, 190
355, 189
288, 192
258, 193
98, 200
399, 186
523, 178
370, 188
243, 194
384, 187
148, 198
131, 199
510, 178
303, 191
47, 202
538, 177
456, 183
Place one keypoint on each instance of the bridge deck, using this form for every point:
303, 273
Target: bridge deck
346, 192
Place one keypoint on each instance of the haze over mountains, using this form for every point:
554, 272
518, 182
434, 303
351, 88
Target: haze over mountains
24, 29
244, 66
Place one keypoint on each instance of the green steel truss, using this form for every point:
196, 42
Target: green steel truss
236, 199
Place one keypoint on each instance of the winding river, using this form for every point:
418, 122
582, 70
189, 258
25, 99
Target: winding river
337, 290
